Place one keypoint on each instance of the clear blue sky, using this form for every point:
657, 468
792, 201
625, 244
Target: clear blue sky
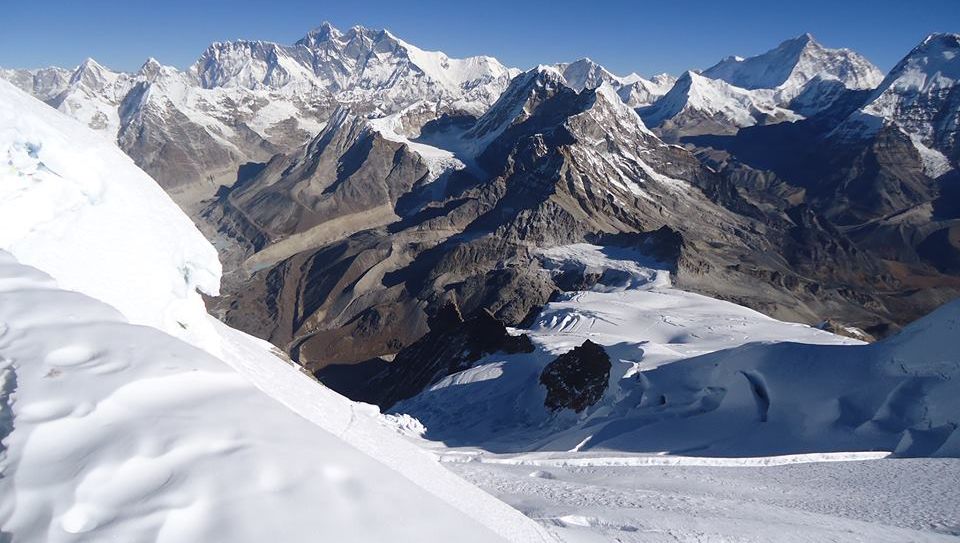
641, 36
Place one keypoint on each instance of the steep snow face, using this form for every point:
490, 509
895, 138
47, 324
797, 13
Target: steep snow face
114, 432
118, 432
789, 66
72, 204
695, 98
921, 96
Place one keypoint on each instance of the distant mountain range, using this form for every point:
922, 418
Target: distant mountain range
356, 185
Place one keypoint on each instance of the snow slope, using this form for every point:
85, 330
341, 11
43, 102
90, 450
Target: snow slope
78, 208
889, 501
719, 423
123, 433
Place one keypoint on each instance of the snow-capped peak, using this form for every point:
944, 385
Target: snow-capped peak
701, 96
919, 97
790, 65
362, 64
525, 93
639, 92
587, 74
93, 74
322, 33
931, 65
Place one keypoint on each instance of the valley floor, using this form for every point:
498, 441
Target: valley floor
893, 500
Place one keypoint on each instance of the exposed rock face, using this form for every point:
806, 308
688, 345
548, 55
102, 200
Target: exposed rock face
576, 380
452, 345
545, 166
867, 184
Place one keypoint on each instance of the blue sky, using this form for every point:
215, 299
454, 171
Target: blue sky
646, 37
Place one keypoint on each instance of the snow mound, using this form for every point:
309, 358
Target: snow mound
115, 432
75, 206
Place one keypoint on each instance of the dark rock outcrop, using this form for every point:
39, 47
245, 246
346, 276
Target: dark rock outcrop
453, 344
576, 380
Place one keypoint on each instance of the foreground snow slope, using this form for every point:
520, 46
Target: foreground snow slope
75, 206
123, 433
877, 501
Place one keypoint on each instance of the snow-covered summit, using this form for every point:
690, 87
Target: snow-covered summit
587, 74
639, 92
633, 89
920, 97
697, 99
793, 63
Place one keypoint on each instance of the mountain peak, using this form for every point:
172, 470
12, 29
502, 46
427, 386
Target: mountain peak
803, 39
91, 73
90, 64
324, 32
789, 66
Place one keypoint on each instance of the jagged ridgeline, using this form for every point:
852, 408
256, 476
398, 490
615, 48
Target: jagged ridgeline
355, 185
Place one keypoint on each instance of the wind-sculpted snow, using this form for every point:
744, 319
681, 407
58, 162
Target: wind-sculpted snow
72, 204
116, 432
